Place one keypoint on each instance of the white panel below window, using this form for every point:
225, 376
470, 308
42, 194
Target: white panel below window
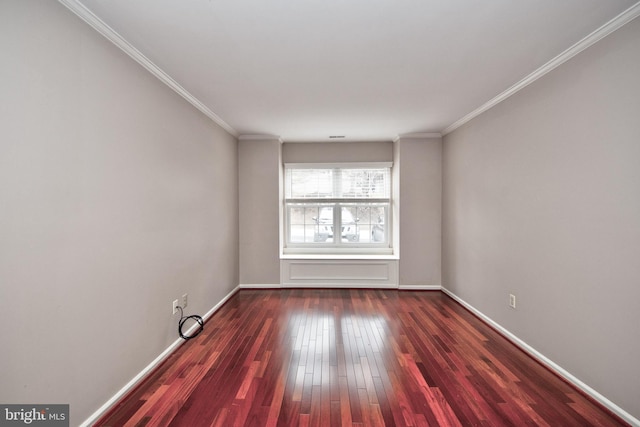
358, 273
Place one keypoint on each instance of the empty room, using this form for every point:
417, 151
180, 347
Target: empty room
320, 213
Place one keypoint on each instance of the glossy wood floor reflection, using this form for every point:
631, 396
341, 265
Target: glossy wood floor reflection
351, 358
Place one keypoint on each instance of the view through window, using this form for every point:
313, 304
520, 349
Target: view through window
337, 206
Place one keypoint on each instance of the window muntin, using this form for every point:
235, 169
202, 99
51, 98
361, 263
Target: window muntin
337, 206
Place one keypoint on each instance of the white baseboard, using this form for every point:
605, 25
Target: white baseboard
349, 286
548, 362
320, 286
353, 285
420, 288
261, 286
338, 286
150, 367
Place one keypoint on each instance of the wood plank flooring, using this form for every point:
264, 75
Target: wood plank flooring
337, 357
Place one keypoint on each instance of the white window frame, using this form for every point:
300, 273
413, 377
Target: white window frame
337, 246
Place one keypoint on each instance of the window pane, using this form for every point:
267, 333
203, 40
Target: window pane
364, 222
378, 224
361, 223
296, 225
309, 232
350, 232
310, 223
365, 183
369, 222
309, 183
324, 224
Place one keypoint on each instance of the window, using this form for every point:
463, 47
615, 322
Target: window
337, 207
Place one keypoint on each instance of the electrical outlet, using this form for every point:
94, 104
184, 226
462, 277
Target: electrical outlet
184, 300
175, 305
512, 301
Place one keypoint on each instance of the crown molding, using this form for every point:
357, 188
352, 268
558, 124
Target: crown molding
606, 29
419, 135
259, 137
110, 34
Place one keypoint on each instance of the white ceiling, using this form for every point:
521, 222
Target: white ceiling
366, 69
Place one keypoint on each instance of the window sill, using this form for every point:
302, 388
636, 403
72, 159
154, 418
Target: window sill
340, 256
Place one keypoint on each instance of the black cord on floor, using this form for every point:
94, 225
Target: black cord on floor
182, 321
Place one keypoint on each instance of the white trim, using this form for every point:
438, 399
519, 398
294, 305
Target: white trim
110, 34
419, 288
261, 286
548, 362
260, 138
421, 135
608, 28
142, 375
400, 287
335, 256
334, 286
338, 286
339, 273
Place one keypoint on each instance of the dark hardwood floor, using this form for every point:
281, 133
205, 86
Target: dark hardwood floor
351, 358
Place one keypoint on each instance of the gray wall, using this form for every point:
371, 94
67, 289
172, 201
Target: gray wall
417, 187
116, 197
419, 190
333, 152
259, 178
542, 200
